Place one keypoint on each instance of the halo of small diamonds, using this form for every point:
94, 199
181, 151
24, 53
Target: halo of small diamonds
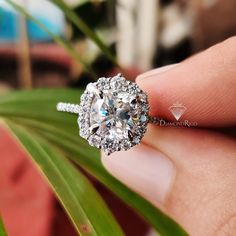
113, 114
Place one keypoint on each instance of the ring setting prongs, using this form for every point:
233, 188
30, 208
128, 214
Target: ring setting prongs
112, 115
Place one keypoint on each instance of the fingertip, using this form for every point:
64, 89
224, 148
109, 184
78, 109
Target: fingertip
154, 72
144, 169
204, 85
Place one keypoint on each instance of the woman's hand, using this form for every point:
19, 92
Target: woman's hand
190, 173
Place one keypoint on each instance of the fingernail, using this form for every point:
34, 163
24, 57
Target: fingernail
144, 169
156, 71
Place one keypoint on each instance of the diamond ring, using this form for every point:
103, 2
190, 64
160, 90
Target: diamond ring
112, 115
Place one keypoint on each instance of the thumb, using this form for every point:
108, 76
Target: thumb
188, 173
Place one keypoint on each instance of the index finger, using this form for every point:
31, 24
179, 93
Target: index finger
204, 84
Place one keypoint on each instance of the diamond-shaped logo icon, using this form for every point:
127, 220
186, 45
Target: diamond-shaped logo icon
177, 110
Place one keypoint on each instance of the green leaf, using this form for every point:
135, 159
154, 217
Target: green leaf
82, 2
83, 204
78, 22
2, 228
67, 46
37, 111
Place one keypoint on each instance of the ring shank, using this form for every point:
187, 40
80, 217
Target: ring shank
68, 107
154, 120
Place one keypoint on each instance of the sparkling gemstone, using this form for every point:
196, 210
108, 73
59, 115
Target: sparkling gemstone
114, 115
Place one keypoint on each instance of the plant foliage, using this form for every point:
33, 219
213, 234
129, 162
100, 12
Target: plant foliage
51, 139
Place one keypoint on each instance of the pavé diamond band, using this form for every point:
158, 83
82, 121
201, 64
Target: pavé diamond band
112, 115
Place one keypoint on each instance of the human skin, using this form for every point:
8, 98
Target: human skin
189, 173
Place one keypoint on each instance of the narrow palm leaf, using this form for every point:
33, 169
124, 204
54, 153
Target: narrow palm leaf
36, 110
83, 204
82, 2
70, 50
2, 228
81, 25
